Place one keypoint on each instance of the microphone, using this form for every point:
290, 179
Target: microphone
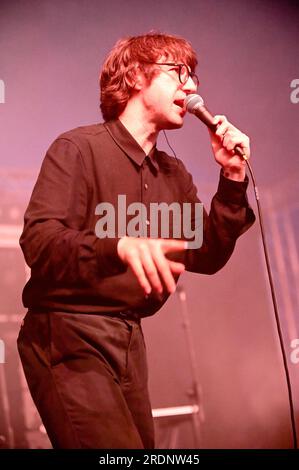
195, 105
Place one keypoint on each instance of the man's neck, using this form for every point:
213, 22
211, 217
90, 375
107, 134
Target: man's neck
143, 132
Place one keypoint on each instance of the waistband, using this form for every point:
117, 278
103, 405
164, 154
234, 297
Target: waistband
124, 315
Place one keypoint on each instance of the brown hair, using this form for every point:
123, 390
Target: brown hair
118, 72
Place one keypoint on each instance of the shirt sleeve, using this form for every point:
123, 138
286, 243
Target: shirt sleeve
55, 241
229, 217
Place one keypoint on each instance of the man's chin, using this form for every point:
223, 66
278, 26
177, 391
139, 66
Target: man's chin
174, 125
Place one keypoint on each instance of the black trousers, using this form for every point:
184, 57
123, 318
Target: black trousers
87, 375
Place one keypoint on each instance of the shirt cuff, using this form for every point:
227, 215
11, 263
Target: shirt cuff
109, 262
231, 191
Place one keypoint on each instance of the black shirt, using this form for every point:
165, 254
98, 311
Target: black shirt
72, 269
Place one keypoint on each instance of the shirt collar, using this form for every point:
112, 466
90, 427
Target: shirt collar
129, 145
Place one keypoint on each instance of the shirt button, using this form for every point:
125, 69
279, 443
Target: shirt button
147, 222
145, 185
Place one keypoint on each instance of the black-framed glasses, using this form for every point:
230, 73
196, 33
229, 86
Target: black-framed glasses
183, 72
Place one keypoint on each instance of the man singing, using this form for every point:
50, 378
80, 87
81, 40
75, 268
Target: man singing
81, 342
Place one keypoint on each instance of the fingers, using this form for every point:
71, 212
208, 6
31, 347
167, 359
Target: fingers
231, 139
171, 246
167, 267
135, 263
230, 136
175, 267
151, 270
164, 270
222, 125
147, 259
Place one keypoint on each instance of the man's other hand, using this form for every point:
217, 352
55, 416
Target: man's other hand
146, 257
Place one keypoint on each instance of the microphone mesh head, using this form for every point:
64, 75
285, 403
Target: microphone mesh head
193, 101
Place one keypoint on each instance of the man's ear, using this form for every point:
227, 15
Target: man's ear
135, 78
139, 81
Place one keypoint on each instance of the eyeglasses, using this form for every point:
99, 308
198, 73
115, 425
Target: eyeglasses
183, 72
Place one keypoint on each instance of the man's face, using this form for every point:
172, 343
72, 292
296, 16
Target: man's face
163, 99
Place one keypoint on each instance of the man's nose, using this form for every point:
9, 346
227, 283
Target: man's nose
190, 86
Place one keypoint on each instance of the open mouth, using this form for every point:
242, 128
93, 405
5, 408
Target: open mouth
180, 104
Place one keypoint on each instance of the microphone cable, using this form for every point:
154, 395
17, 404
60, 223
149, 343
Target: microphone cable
273, 296
275, 307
